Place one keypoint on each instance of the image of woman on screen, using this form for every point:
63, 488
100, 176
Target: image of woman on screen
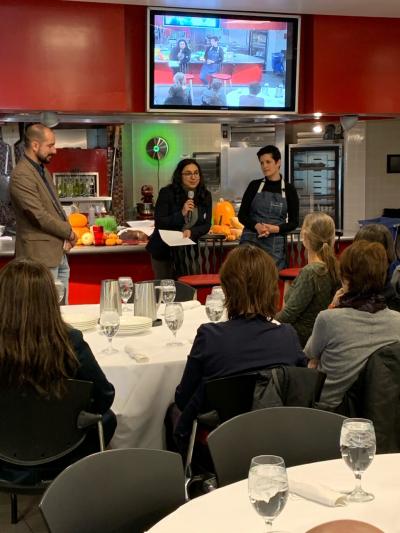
214, 95
213, 59
181, 53
269, 208
177, 210
179, 93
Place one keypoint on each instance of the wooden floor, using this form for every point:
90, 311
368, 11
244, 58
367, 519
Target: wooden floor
30, 519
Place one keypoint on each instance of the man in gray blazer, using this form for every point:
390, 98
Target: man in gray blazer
43, 231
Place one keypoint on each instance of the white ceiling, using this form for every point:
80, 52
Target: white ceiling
366, 8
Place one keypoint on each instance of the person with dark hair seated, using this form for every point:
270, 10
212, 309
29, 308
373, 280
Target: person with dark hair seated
250, 339
380, 233
360, 323
251, 99
181, 53
214, 96
38, 349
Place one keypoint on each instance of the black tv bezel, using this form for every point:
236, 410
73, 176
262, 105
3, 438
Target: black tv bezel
189, 109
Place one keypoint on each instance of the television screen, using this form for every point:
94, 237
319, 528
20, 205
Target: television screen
210, 61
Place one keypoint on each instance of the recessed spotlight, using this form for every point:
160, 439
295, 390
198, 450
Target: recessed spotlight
272, 116
317, 129
317, 115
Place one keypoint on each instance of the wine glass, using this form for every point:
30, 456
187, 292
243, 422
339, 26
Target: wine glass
268, 487
125, 291
357, 445
168, 290
60, 289
109, 323
174, 319
214, 308
218, 292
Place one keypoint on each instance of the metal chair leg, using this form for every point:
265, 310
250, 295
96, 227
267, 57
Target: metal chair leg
14, 508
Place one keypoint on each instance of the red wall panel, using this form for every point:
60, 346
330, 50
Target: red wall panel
62, 56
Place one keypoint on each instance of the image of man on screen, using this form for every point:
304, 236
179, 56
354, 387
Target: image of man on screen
213, 59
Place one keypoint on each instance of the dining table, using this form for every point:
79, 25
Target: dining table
145, 385
228, 509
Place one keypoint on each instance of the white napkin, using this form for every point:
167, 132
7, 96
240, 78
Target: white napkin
5, 238
134, 354
317, 493
190, 304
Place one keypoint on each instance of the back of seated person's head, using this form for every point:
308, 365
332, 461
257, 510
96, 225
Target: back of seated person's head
216, 85
378, 233
345, 526
35, 348
254, 88
179, 78
249, 278
175, 91
363, 266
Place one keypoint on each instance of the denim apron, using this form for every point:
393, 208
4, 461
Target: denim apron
269, 208
208, 69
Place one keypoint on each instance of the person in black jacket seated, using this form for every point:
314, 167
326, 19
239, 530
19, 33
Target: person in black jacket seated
38, 349
250, 339
175, 210
269, 208
380, 233
181, 52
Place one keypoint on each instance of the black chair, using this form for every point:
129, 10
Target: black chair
184, 292
126, 490
298, 434
37, 433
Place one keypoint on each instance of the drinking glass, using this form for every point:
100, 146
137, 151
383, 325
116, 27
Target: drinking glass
60, 289
174, 319
357, 445
125, 290
109, 323
268, 487
214, 308
168, 290
217, 292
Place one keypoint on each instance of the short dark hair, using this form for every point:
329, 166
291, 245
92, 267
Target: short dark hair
254, 88
378, 233
214, 38
363, 266
34, 132
270, 149
249, 279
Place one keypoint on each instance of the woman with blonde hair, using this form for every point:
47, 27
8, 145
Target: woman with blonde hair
250, 339
315, 286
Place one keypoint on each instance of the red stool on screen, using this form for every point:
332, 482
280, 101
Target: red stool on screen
224, 78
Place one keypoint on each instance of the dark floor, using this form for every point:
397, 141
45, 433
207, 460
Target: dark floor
30, 519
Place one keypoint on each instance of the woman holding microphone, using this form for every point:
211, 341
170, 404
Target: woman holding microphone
183, 205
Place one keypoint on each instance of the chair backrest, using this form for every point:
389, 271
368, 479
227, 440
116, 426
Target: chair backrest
203, 258
125, 490
184, 292
36, 429
298, 434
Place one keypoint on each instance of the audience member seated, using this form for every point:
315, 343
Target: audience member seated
250, 339
360, 323
313, 289
215, 95
251, 99
345, 526
39, 350
179, 93
380, 233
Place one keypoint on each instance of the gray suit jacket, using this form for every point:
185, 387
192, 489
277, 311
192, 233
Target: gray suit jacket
41, 229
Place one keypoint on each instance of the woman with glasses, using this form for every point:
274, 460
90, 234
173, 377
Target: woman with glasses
183, 205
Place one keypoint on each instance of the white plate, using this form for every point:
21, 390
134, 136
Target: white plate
134, 321
79, 318
126, 333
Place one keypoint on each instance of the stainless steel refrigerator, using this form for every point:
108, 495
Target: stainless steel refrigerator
316, 172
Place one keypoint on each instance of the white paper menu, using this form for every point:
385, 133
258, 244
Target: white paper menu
174, 238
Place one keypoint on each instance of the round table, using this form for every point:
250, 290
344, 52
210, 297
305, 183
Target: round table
228, 509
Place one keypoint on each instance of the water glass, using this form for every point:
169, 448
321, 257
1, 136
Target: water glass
109, 323
168, 290
174, 319
60, 288
125, 289
214, 308
268, 487
358, 445
218, 292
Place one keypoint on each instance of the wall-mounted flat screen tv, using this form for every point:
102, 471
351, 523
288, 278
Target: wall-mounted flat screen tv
201, 61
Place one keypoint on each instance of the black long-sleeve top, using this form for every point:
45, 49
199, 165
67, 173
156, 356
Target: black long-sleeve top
275, 187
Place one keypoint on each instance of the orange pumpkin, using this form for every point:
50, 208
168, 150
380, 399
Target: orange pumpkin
223, 212
77, 220
221, 229
80, 231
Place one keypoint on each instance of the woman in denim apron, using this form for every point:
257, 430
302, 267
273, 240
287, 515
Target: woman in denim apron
270, 208
213, 59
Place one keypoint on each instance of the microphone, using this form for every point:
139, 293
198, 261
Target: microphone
189, 215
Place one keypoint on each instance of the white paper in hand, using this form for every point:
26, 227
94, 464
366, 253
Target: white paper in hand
174, 238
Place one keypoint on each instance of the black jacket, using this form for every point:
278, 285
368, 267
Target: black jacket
168, 215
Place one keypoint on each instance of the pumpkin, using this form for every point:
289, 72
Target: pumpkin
79, 232
77, 220
231, 237
236, 224
87, 238
111, 242
221, 229
223, 212
237, 233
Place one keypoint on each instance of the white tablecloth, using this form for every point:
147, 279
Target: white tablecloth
143, 391
228, 509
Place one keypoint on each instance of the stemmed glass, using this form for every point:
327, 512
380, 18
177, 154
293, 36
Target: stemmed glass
60, 289
109, 323
125, 291
217, 292
358, 445
268, 487
174, 319
214, 308
168, 290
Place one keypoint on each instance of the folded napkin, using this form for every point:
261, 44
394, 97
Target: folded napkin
317, 493
136, 355
190, 304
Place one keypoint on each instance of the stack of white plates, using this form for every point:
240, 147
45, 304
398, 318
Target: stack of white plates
80, 321
131, 325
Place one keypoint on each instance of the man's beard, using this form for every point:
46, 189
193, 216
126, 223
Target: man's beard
43, 159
